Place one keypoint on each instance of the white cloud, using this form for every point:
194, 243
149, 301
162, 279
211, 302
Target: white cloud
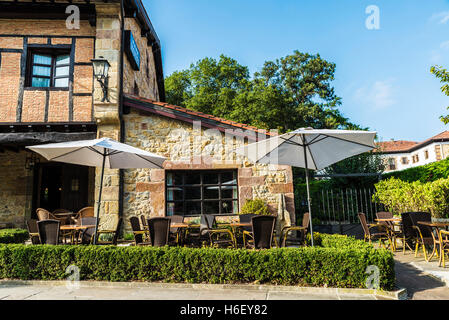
442, 17
378, 95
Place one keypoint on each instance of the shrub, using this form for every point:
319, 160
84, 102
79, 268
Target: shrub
400, 196
426, 173
256, 206
13, 235
337, 262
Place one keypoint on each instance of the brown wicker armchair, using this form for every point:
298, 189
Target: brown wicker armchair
301, 229
114, 232
424, 234
140, 235
33, 231
159, 229
48, 231
382, 236
261, 235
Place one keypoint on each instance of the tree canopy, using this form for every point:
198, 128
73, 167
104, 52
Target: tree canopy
288, 93
443, 75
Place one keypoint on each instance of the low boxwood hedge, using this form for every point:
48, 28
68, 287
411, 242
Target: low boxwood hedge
13, 235
326, 264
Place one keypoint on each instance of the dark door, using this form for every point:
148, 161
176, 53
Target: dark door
61, 186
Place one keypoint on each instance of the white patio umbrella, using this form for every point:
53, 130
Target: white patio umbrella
104, 153
312, 149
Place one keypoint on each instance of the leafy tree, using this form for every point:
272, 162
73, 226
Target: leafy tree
291, 92
443, 75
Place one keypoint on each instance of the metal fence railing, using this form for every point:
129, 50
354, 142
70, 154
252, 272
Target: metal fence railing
332, 206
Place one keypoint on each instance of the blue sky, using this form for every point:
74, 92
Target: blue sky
383, 76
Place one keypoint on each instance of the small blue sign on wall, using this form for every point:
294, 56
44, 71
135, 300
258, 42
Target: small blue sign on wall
131, 50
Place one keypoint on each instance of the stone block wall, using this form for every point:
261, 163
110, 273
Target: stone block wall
15, 190
145, 77
190, 148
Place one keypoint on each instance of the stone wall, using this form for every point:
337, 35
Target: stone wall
145, 77
15, 190
189, 146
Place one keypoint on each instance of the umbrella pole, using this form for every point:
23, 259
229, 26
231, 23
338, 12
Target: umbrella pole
308, 191
99, 198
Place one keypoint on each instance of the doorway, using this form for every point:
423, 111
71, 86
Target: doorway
61, 185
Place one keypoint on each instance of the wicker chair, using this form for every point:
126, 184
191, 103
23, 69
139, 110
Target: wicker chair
387, 226
48, 231
138, 232
370, 236
213, 234
159, 229
33, 231
424, 235
443, 236
84, 213
301, 229
115, 233
43, 214
175, 232
261, 236
87, 234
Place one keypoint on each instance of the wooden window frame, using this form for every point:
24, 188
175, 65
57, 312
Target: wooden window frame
54, 53
201, 185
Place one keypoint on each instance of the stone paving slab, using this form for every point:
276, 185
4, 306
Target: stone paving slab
92, 290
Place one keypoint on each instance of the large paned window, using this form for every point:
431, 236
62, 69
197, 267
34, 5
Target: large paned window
196, 192
48, 69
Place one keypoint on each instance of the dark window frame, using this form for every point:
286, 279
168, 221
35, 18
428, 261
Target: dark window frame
53, 52
201, 185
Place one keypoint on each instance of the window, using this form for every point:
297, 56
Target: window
391, 164
48, 69
426, 154
404, 160
192, 192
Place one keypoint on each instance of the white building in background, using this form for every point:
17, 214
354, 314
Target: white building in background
400, 154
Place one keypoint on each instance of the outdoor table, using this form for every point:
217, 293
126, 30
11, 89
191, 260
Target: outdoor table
436, 240
182, 227
234, 226
74, 228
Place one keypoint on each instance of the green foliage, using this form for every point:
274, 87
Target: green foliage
291, 92
400, 196
255, 206
443, 75
368, 162
13, 235
337, 262
428, 172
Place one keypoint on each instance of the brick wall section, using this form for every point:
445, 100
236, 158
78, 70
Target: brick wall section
33, 109
146, 82
182, 145
9, 83
58, 110
15, 193
33, 105
81, 110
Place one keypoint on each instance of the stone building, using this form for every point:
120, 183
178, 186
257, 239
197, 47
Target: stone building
48, 94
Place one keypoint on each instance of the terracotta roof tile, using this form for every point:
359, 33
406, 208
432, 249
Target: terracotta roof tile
407, 146
200, 114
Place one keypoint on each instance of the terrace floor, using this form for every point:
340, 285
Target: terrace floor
423, 280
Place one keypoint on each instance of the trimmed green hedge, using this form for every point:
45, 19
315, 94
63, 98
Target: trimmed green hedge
426, 173
338, 262
13, 235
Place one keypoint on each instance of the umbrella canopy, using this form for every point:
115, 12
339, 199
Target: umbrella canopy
309, 148
104, 153
323, 147
91, 153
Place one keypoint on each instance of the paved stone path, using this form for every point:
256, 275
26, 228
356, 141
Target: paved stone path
137, 291
423, 280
